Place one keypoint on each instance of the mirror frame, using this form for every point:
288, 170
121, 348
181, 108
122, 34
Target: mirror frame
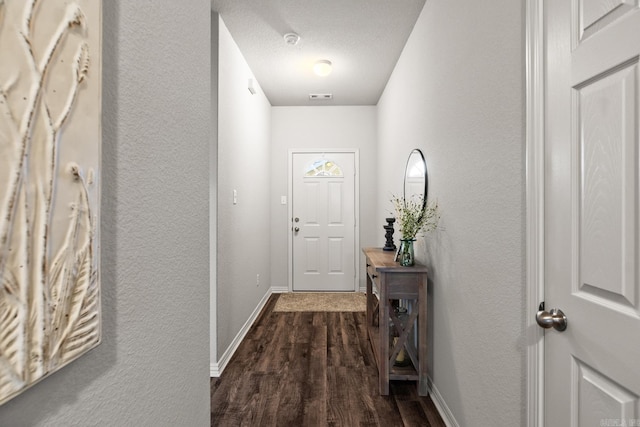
426, 179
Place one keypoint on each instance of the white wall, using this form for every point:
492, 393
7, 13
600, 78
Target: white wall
213, 194
244, 129
322, 127
457, 93
152, 366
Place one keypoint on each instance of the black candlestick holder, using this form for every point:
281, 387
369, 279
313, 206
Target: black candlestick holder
389, 245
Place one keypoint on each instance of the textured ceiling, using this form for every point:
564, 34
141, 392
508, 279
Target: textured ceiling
362, 38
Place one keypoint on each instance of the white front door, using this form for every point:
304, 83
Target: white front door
592, 183
323, 221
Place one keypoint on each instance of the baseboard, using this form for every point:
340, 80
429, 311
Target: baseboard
215, 369
441, 406
279, 289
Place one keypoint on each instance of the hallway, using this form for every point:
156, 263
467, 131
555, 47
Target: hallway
311, 369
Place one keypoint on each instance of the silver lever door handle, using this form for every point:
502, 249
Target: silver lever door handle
555, 318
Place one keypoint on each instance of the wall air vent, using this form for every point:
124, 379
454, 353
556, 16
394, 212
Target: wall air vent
320, 96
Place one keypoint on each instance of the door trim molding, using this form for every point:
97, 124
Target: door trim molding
356, 208
534, 209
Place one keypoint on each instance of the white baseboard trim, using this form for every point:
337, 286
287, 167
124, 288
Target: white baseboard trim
214, 371
279, 289
216, 368
441, 406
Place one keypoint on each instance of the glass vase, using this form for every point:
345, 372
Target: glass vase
406, 255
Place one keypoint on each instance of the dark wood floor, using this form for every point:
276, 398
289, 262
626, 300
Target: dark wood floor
311, 369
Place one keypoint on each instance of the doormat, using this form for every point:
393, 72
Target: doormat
321, 301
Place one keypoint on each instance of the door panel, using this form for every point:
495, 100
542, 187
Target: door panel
598, 399
592, 219
608, 205
335, 264
597, 14
335, 209
323, 257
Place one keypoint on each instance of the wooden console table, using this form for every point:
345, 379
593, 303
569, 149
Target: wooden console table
394, 282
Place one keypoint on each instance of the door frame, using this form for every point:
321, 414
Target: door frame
534, 234
356, 208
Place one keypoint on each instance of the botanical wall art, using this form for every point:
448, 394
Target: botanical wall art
50, 110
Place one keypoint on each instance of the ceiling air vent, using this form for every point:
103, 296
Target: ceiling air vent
320, 96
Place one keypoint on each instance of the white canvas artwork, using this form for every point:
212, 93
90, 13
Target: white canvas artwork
50, 107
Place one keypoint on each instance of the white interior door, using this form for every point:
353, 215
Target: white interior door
323, 208
592, 182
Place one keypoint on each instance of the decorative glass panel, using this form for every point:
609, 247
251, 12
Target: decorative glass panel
323, 167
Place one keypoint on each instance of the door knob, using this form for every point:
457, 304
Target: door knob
296, 229
555, 318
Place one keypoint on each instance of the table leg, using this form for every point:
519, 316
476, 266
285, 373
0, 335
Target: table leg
422, 340
383, 310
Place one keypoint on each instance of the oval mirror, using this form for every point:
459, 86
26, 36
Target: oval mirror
416, 181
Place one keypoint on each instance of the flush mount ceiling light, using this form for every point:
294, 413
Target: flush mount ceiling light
322, 67
291, 39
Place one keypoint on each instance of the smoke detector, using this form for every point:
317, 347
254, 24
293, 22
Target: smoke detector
291, 39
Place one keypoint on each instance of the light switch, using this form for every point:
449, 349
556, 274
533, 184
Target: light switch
283, 200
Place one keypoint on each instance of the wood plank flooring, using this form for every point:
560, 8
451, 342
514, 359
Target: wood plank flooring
311, 369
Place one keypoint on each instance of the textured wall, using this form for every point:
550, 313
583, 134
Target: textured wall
213, 193
244, 127
315, 128
458, 93
152, 366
